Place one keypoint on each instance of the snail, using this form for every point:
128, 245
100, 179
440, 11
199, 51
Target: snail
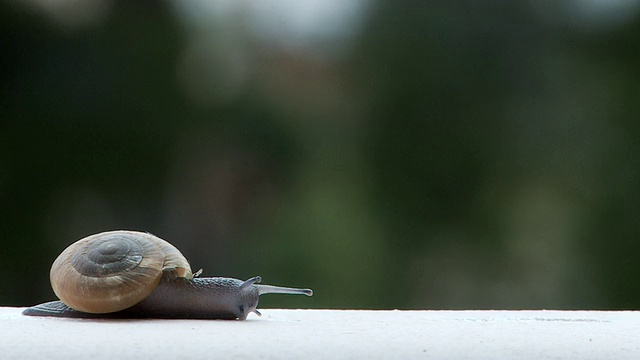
130, 274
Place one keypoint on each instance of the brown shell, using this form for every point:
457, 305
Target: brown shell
114, 270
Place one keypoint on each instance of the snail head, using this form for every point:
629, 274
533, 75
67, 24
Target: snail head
251, 289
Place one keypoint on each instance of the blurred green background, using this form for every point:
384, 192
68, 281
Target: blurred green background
435, 155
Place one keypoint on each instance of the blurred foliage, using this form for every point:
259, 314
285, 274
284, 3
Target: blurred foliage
446, 155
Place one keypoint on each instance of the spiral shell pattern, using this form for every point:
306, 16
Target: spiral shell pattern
112, 271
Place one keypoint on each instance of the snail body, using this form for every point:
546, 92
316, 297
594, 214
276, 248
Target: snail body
128, 274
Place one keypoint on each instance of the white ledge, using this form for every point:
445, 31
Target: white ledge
331, 334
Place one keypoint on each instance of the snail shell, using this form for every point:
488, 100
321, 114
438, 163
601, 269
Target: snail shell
112, 271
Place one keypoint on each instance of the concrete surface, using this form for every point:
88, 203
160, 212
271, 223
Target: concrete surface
330, 334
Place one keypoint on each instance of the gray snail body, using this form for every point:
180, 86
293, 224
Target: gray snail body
127, 274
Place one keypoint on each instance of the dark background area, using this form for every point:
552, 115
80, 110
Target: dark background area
440, 155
